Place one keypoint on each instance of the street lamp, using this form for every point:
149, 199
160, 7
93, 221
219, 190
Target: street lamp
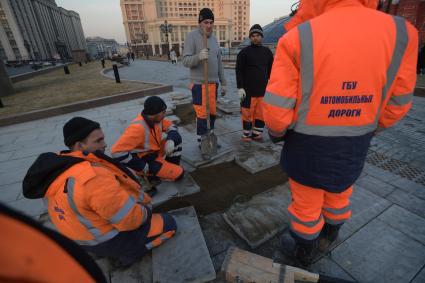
144, 37
166, 29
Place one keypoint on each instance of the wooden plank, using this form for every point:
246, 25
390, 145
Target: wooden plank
243, 266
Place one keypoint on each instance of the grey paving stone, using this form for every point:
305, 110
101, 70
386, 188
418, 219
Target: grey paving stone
365, 206
4, 156
255, 157
420, 278
405, 221
12, 176
104, 265
228, 106
375, 185
379, 173
379, 253
30, 207
9, 193
262, 217
185, 257
192, 154
409, 187
30, 150
169, 190
409, 202
16, 165
218, 234
326, 266
139, 272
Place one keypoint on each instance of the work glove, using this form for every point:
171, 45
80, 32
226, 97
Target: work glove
203, 55
169, 147
242, 94
223, 90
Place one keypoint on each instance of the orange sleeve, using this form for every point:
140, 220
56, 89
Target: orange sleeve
281, 93
113, 203
132, 138
401, 96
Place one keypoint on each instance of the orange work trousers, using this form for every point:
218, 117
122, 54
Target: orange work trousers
312, 207
252, 116
199, 98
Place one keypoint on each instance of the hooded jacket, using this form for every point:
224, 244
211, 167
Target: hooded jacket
90, 198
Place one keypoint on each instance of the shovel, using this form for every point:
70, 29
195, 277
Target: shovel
208, 141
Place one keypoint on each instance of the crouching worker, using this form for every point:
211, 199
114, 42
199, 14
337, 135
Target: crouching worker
94, 200
151, 144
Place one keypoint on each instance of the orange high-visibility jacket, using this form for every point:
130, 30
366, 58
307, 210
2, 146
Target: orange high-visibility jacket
342, 73
309, 9
92, 201
139, 138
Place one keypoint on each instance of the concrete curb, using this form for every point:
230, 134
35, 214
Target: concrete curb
30, 75
87, 104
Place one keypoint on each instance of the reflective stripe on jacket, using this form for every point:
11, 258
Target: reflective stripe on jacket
139, 138
92, 201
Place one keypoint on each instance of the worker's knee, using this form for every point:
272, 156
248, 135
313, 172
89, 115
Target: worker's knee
169, 222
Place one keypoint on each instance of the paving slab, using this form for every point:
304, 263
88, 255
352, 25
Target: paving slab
104, 265
420, 278
9, 193
326, 266
405, 221
218, 234
380, 253
30, 207
228, 106
255, 157
169, 190
185, 257
192, 154
408, 201
4, 156
410, 187
379, 173
262, 217
365, 206
375, 185
139, 272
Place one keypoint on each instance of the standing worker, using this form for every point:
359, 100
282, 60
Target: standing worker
336, 79
94, 200
253, 67
194, 55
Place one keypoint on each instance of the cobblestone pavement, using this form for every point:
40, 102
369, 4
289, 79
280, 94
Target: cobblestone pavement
383, 242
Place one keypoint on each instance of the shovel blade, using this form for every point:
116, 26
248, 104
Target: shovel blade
208, 145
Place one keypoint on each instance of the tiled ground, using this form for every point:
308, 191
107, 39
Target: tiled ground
383, 242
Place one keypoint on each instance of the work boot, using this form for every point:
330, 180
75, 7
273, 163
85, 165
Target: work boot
257, 138
328, 236
245, 138
152, 191
300, 254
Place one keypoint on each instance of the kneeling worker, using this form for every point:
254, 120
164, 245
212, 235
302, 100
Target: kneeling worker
94, 200
151, 144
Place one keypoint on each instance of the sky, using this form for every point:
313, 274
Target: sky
103, 17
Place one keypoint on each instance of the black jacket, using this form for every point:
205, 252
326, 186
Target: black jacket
253, 68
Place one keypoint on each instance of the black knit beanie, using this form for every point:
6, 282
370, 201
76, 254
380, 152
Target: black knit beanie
154, 105
256, 29
205, 14
77, 129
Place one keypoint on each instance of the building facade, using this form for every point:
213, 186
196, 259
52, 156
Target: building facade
143, 20
99, 47
412, 10
38, 30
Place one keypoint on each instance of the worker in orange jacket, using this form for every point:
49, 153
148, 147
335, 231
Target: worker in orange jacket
336, 79
151, 144
94, 200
